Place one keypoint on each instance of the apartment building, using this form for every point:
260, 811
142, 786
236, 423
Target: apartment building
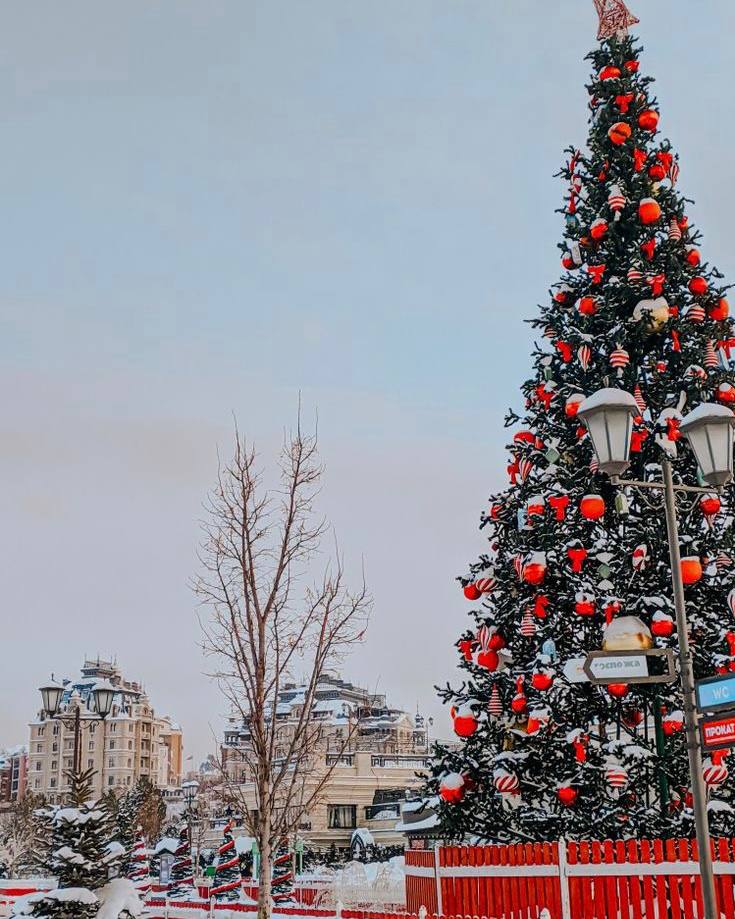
133, 741
372, 750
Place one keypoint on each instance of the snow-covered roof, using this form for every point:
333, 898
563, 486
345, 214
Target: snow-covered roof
429, 823
166, 844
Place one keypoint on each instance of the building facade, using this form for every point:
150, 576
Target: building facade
13, 770
369, 750
132, 742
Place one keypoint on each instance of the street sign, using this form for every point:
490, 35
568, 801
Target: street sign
718, 730
604, 667
573, 670
715, 693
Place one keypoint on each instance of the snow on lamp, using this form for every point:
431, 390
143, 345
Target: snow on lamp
51, 697
608, 416
708, 428
102, 697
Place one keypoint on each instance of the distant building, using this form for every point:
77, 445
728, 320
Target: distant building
375, 749
13, 771
132, 741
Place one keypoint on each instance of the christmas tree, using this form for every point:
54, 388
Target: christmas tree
282, 877
182, 871
227, 880
575, 564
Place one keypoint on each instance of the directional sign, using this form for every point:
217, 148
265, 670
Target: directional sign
715, 693
718, 730
603, 667
573, 670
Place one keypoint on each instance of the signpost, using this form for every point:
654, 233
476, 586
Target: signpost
604, 667
573, 670
715, 693
718, 731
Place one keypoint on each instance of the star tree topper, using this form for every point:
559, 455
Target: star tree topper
615, 17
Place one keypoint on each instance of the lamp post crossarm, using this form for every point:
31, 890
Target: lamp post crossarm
637, 483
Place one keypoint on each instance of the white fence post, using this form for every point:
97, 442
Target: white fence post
165, 908
423, 912
566, 906
439, 904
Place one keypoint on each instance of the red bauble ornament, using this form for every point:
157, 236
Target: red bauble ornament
691, 569
673, 723
649, 211
692, 256
542, 680
648, 120
619, 133
617, 690
610, 72
726, 392
587, 306
662, 626
584, 604
720, 311
698, 285
567, 795
518, 703
592, 507
567, 262
452, 788
598, 229
465, 724
471, 592
571, 406
536, 721
534, 571
496, 642
488, 659
631, 66
709, 505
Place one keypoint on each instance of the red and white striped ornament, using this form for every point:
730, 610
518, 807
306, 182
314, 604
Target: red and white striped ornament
639, 400
723, 560
528, 626
594, 464
616, 200
640, 557
483, 637
524, 468
518, 566
495, 705
695, 313
506, 783
674, 230
635, 275
619, 359
710, 355
485, 581
714, 774
616, 776
584, 354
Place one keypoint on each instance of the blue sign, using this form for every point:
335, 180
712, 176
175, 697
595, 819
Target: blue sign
716, 693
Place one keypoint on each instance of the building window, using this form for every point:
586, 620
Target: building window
41, 730
130, 764
38, 765
39, 748
111, 762
112, 744
128, 781
93, 727
111, 780
91, 746
130, 745
342, 816
90, 763
113, 728
54, 747
52, 783
55, 729
54, 764
37, 783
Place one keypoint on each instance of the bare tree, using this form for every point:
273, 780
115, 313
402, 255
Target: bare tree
267, 616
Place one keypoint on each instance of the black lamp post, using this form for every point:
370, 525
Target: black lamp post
608, 416
101, 696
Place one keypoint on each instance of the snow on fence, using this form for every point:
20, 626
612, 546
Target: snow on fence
635, 879
13, 888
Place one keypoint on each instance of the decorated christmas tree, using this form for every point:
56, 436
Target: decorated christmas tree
182, 870
227, 880
282, 882
574, 563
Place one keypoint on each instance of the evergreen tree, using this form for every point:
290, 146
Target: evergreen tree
81, 857
282, 883
126, 818
575, 564
182, 871
227, 880
137, 863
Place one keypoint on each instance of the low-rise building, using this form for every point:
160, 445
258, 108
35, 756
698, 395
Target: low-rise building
130, 743
372, 750
13, 770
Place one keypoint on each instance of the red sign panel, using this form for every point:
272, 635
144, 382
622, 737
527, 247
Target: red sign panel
718, 731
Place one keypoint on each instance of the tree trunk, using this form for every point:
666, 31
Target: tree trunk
264, 884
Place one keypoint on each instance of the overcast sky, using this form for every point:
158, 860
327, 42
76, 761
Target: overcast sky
209, 206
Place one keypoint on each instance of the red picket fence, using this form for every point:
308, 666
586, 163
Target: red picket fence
636, 879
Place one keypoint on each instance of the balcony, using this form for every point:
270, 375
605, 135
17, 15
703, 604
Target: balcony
390, 810
396, 761
340, 759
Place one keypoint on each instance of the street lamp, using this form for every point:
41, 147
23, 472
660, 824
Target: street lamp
608, 415
709, 429
190, 789
100, 704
